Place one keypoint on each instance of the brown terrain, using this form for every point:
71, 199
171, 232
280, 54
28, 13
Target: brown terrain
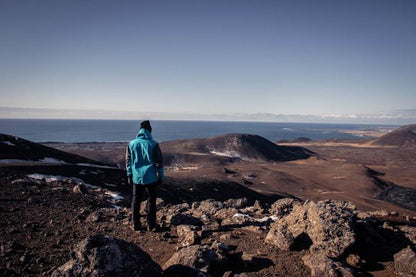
232, 205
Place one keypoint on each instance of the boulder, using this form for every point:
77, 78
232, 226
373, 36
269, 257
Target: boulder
322, 266
409, 232
201, 258
102, 255
207, 207
238, 218
405, 262
280, 235
185, 219
225, 213
329, 225
236, 203
187, 235
177, 215
354, 260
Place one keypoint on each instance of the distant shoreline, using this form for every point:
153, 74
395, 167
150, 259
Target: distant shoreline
115, 131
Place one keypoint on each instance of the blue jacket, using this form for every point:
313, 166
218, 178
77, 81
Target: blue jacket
144, 159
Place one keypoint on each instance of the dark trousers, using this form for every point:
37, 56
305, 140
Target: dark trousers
138, 191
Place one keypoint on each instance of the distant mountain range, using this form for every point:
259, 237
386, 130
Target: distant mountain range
393, 117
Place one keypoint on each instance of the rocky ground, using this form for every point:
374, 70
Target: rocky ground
54, 225
220, 213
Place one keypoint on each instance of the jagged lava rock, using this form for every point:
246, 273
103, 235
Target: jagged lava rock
405, 262
329, 224
187, 235
280, 235
207, 207
322, 266
102, 255
201, 258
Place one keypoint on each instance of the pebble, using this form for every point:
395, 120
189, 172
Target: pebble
225, 236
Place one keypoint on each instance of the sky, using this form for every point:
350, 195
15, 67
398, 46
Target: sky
207, 58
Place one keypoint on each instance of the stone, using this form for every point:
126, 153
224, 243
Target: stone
226, 236
409, 232
354, 260
323, 266
257, 206
185, 219
405, 262
329, 225
236, 203
187, 235
211, 226
229, 171
101, 255
201, 258
225, 213
221, 247
238, 218
280, 235
207, 207
80, 188
166, 213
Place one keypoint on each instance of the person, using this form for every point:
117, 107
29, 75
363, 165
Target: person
144, 168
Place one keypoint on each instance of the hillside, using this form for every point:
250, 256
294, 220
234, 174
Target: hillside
402, 137
17, 150
233, 147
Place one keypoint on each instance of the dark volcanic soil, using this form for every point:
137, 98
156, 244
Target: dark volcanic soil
40, 223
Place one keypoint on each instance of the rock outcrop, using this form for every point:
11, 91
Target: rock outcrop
328, 224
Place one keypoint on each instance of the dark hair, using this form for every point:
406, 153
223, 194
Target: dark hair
146, 124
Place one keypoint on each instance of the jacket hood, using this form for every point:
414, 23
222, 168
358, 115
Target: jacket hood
143, 133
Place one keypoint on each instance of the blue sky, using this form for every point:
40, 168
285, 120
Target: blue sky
209, 57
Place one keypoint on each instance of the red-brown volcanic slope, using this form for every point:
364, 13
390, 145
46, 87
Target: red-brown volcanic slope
350, 170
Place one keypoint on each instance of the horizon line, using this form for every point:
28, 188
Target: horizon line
403, 116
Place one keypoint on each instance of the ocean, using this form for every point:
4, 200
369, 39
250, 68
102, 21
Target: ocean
59, 130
